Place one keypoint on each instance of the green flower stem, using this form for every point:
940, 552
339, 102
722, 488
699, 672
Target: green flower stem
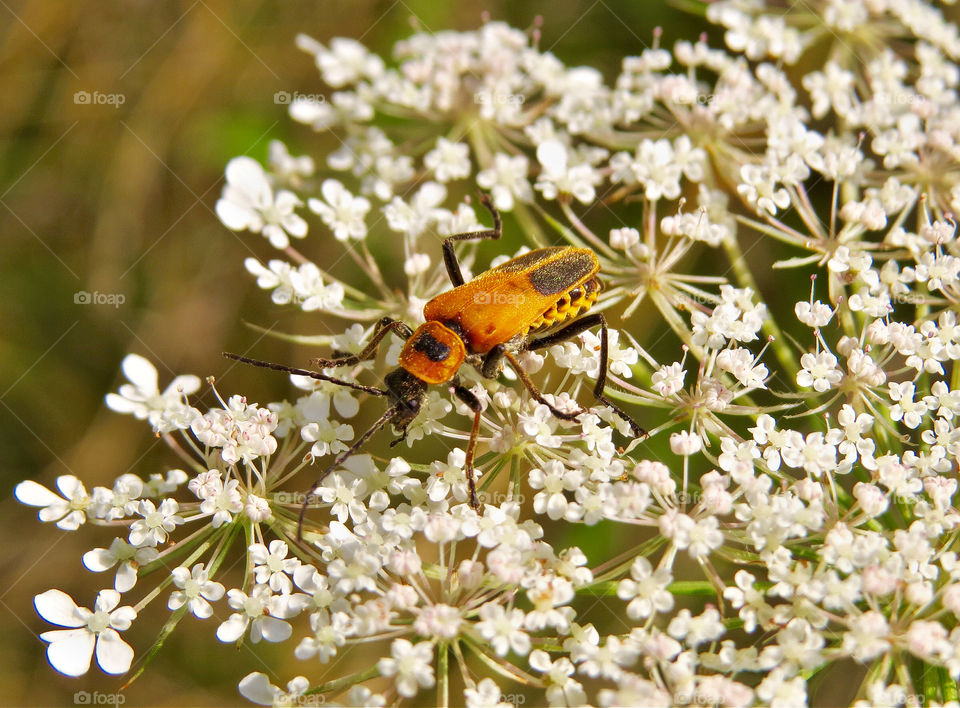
745, 278
345, 682
443, 674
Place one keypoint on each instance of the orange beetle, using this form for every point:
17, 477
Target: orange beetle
481, 323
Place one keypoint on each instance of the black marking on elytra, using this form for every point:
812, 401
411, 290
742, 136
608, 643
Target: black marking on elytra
559, 275
521, 263
434, 349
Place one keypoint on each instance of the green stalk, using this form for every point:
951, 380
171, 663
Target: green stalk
745, 278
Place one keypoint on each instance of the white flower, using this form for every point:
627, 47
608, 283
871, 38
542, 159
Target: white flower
410, 663
506, 180
69, 511
559, 177
820, 371
120, 501
503, 628
196, 589
438, 621
655, 167
347, 61
90, 632
911, 412
253, 611
156, 524
866, 637
341, 211
256, 688
248, 203
257, 509
759, 188
330, 632
223, 502
413, 217
272, 567
128, 558
814, 314
287, 166
647, 590
448, 160
243, 431
668, 379
449, 477
164, 411
685, 443
486, 694
327, 437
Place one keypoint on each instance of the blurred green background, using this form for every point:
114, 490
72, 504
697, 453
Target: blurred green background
119, 200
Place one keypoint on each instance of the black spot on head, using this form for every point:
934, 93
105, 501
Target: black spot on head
434, 349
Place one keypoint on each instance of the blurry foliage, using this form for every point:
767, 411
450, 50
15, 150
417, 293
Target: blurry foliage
120, 200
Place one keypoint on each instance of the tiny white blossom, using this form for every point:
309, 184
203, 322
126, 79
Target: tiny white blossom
156, 524
90, 632
249, 203
196, 591
410, 665
341, 211
165, 411
69, 511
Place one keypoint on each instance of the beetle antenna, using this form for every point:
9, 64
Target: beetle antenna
306, 372
388, 414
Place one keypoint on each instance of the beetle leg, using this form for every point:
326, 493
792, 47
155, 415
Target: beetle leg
383, 328
450, 258
535, 392
492, 360
384, 419
467, 396
571, 331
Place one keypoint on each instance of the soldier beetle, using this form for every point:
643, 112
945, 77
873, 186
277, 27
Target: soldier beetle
482, 323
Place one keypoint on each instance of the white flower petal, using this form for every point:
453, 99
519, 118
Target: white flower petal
56, 607
120, 404
113, 654
70, 522
34, 494
99, 560
275, 630
70, 650
106, 600
552, 154
200, 608
235, 217
140, 372
256, 688
246, 174
126, 578
232, 629
183, 384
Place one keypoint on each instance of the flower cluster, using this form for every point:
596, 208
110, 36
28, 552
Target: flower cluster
793, 507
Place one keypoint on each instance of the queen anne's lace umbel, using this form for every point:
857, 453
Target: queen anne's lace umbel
802, 513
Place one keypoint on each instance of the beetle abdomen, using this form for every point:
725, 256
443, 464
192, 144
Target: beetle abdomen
569, 305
